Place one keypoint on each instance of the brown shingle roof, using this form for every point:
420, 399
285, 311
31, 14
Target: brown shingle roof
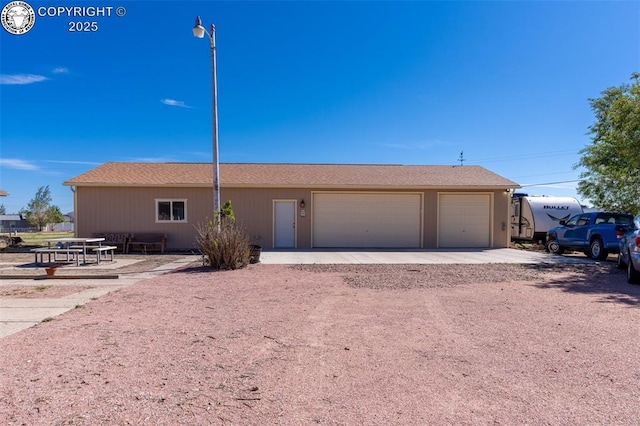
290, 175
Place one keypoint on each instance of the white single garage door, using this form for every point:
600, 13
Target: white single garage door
464, 220
385, 220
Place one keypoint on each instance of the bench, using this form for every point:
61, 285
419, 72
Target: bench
69, 252
146, 242
104, 250
99, 251
118, 239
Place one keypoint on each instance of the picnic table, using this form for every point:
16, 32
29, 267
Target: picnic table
72, 247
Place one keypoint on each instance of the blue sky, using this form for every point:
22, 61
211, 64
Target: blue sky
416, 82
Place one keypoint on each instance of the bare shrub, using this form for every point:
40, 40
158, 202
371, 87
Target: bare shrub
223, 244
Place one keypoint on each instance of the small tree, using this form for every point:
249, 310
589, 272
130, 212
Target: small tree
3, 209
226, 212
40, 212
54, 215
223, 244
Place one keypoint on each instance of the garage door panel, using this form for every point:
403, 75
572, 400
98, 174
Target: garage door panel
464, 220
367, 220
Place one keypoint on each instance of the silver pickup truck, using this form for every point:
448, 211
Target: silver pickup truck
596, 234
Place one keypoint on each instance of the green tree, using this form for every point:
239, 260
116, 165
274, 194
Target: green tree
54, 215
227, 211
3, 209
40, 212
611, 176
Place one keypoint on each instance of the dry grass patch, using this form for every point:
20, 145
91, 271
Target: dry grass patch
39, 291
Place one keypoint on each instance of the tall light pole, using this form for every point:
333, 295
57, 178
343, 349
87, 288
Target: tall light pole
199, 31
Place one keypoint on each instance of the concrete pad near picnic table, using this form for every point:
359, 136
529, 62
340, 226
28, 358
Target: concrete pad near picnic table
20, 313
17, 314
395, 256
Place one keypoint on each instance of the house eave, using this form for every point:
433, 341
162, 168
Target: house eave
307, 186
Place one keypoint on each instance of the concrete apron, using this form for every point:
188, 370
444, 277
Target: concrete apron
465, 256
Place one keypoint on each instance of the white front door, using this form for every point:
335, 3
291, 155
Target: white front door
284, 224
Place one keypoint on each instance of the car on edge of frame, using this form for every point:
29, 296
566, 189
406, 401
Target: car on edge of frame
629, 255
595, 233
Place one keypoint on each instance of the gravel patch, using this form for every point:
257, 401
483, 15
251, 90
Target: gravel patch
447, 275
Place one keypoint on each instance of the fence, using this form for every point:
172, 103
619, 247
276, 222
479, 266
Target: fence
14, 230
57, 227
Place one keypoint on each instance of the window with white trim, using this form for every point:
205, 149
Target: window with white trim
171, 210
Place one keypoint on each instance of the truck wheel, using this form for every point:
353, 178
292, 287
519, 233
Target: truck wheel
633, 276
596, 250
554, 248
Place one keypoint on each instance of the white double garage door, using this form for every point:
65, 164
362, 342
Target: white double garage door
396, 220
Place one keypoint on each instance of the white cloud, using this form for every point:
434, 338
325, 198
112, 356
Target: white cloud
60, 70
13, 163
21, 78
172, 102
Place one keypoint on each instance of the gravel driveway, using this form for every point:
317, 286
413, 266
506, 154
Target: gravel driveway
338, 345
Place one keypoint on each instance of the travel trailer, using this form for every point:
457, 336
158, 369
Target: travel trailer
533, 216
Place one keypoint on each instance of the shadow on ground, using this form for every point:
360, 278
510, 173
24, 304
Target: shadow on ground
602, 278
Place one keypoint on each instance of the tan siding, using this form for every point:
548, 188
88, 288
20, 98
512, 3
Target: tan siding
125, 209
133, 210
254, 210
501, 213
430, 219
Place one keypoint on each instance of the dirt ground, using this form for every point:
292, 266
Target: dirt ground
21, 263
337, 345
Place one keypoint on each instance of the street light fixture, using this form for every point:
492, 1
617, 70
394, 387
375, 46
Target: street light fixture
199, 31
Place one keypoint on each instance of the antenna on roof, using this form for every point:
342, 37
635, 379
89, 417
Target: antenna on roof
461, 158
